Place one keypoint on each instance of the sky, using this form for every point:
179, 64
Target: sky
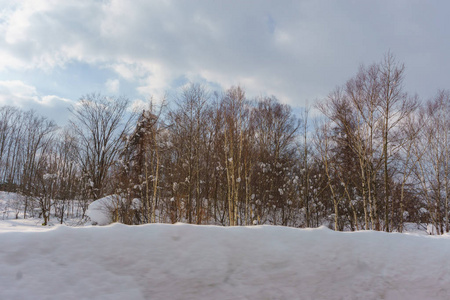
52, 52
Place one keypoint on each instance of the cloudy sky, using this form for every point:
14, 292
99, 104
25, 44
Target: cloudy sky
53, 51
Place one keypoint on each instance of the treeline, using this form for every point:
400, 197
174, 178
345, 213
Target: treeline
375, 158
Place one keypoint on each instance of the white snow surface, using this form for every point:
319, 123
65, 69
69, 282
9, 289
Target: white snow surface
99, 211
180, 261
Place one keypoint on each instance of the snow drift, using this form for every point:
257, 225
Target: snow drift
100, 210
207, 262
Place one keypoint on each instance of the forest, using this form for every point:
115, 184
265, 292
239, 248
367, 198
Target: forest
368, 156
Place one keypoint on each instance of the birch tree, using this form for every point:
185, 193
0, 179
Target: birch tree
395, 105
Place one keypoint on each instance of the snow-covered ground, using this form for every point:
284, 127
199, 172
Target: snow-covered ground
208, 262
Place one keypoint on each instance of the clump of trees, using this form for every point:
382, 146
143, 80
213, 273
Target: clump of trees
375, 158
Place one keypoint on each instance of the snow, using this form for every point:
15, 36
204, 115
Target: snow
10, 204
162, 261
99, 211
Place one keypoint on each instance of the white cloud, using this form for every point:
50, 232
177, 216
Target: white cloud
298, 50
53, 100
129, 70
17, 93
112, 85
138, 105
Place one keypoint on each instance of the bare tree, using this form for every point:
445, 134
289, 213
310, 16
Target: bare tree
363, 95
324, 144
10, 137
434, 168
188, 126
395, 105
38, 140
275, 130
305, 157
100, 124
68, 174
236, 120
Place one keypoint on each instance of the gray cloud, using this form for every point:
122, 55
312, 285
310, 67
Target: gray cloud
296, 50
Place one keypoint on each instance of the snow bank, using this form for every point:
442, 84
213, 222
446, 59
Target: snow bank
11, 205
206, 262
100, 211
